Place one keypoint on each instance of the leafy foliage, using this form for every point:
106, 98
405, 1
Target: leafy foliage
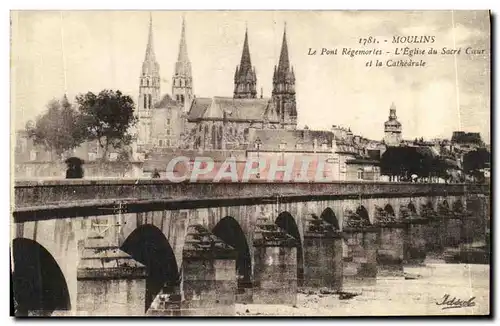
58, 129
406, 161
476, 160
107, 117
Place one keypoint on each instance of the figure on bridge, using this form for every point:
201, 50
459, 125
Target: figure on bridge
75, 170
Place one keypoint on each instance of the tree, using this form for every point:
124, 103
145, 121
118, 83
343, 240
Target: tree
106, 118
58, 129
475, 161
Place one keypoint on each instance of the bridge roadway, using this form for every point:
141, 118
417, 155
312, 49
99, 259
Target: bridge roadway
115, 247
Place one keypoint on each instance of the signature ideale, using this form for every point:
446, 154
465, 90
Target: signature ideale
449, 303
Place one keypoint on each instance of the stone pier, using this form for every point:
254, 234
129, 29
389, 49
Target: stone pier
434, 231
275, 265
414, 239
390, 254
209, 275
322, 255
109, 281
361, 260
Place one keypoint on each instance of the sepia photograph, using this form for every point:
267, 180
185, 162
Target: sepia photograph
308, 163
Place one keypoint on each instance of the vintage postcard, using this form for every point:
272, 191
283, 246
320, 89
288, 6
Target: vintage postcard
250, 163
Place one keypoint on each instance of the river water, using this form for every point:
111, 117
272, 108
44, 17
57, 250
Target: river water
395, 295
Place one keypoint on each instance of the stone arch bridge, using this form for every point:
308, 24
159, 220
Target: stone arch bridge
123, 247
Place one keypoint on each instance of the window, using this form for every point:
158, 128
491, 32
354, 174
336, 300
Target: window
160, 143
168, 142
145, 101
147, 82
182, 98
24, 144
168, 121
360, 174
177, 97
168, 132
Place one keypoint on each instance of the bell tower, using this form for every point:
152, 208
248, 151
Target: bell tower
149, 89
392, 128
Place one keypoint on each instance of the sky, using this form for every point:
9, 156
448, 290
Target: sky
72, 52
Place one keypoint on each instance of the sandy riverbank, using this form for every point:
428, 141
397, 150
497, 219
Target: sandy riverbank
394, 296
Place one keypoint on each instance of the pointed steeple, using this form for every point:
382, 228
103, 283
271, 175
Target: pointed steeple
245, 79
284, 88
150, 66
149, 88
183, 55
284, 63
182, 81
150, 52
245, 63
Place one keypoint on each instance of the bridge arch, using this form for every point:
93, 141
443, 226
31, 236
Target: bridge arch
458, 206
412, 207
363, 213
230, 231
443, 207
286, 221
427, 210
149, 246
39, 284
389, 210
329, 216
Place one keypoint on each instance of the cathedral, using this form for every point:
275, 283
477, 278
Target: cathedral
245, 122
182, 120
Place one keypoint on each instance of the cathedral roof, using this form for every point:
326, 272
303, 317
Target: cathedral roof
238, 109
229, 108
272, 139
166, 102
198, 107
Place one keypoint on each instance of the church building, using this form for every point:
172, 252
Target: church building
161, 119
181, 120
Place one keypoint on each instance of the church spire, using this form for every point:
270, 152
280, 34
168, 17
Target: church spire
150, 66
182, 81
149, 88
183, 55
245, 79
284, 88
150, 52
284, 63
246, 62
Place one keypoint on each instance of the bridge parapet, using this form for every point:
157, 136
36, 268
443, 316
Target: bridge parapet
56, 192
